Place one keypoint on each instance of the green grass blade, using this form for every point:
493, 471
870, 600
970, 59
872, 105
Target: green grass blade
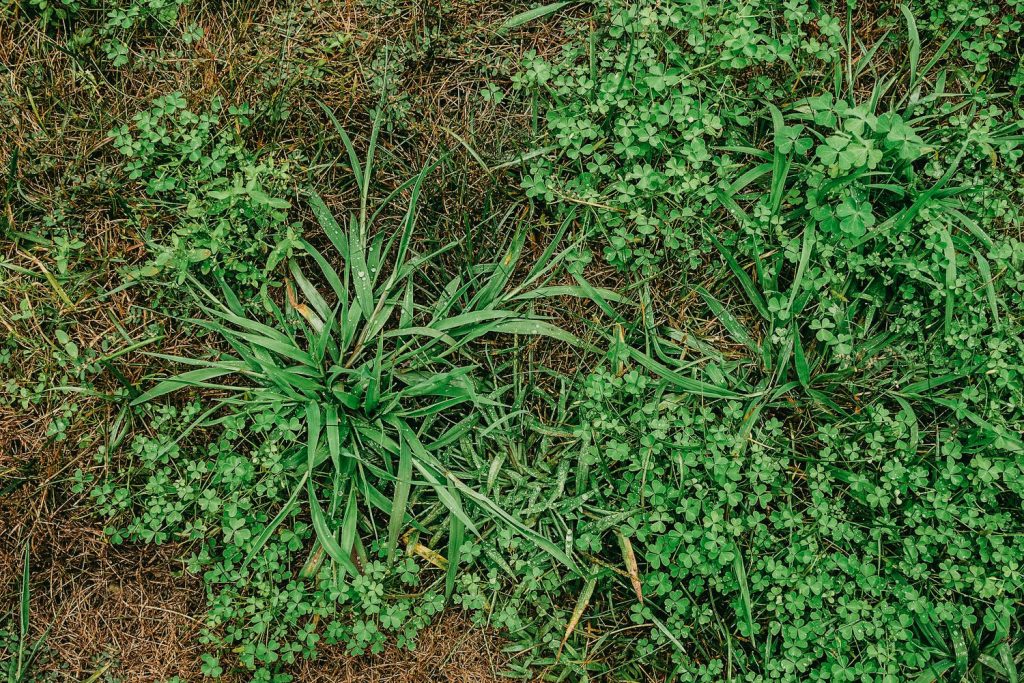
536, 327
806, 248
328, 222
531, 15
350, 521
990, 290
922, 387
24, 611
671, 636
431, 469
738, 331
803, 370
324, 533
685, 384
192, 378
353, 157
915, 43
371, 397
949, 253
456, 537
403, 485
371, 149
281, 515
287, 350
1008, 662
934, 672
748, 608
409, 222
751, 290
1004, 439
581, 605
313, 426
361, 276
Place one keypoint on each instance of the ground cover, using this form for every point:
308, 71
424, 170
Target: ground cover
624, 340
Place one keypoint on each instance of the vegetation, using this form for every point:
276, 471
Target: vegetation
669, 341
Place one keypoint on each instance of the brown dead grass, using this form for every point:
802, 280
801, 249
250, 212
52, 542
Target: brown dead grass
449, 651
126, 610
131, 612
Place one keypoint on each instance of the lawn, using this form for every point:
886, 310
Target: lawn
449, 340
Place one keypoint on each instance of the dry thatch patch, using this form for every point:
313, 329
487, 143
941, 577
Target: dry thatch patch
102, 608
450, 651
130, 612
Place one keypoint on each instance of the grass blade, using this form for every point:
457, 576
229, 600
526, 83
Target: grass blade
23, 613
748, 608
753, 293
353, 157
531, 15
360, 271
349, 522
803, 370
192, 378
577, 613
915, 43
403, 484
632, 568
456, 537
324, 534
729, 321
283, 513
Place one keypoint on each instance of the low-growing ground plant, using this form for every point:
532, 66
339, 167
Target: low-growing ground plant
224, 202
113, 33
824, 485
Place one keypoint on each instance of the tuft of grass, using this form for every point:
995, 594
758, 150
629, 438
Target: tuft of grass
375, 373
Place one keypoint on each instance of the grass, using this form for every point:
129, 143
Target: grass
638, 341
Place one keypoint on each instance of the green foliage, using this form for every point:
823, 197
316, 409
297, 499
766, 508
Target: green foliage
225, 201
120, 22
271, 598
856, 515
648, 108
638, 107
801, 456
865, 545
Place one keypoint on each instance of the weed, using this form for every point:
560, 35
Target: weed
230, 223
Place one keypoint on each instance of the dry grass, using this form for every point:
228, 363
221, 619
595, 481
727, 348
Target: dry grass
132, 614
126, 610
449, 651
